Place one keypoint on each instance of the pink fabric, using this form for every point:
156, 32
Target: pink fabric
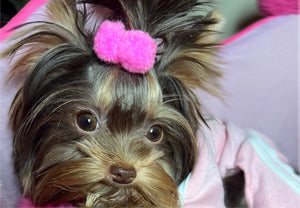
270, 182
264, 187
26, 203
135, 50
248, 30
204, 186
278, 7
271, 8
20, 17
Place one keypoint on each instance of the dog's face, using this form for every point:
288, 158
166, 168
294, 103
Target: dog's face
100, 134
90, 133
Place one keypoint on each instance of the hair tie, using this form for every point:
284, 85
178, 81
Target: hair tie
134, 49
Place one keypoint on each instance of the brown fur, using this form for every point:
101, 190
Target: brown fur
55, 159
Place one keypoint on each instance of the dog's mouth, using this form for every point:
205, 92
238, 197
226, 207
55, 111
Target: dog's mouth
116, 195
110, 194
85, 183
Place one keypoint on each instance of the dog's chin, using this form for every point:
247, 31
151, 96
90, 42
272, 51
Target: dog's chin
126, 196
84, 187
110, 194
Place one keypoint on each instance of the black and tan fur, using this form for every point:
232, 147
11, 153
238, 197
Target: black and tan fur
55, 159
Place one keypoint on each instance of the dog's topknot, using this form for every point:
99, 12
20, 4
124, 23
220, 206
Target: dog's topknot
185, 58
185, 28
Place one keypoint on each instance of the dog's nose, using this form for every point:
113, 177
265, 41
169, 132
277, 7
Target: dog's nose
122, 175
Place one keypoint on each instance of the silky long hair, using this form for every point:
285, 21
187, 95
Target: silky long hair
55, 159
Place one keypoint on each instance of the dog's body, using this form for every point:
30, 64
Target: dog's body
88, 132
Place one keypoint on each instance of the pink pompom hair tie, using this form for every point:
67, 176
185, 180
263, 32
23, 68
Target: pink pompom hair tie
135, 50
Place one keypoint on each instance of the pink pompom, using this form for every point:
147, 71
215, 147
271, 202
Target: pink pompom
138, 53
27, 203
108, 39
278, 7
135, 50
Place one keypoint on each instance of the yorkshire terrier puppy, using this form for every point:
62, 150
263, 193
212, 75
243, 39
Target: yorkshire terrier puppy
96, 132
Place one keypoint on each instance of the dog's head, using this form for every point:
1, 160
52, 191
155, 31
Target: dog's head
87, 131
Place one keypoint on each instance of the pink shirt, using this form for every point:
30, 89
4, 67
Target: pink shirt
269, 180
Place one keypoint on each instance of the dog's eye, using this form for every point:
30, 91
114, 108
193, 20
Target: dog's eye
87, 122
155, 133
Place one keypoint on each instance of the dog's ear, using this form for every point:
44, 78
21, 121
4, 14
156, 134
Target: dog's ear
31, 41
41, 47
189, 62
43, 51
189, 53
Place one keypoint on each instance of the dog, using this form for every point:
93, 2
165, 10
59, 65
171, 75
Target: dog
91, 132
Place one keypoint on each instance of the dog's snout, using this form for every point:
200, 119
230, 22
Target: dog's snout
121, 175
